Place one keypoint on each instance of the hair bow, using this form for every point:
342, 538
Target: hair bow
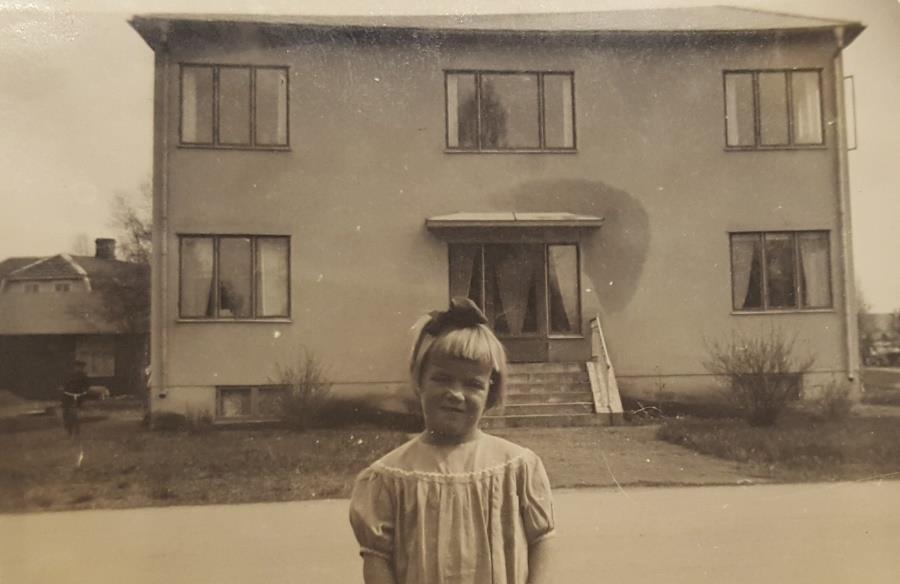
463, 313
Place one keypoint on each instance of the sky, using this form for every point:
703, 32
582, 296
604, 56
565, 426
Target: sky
76, 109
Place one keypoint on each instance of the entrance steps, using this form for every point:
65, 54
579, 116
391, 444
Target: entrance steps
547, 395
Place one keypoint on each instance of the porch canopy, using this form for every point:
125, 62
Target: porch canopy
512, 227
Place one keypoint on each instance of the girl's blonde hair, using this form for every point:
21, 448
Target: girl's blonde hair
460, 332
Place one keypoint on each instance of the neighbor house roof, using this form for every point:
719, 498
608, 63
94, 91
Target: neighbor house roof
75, 312
58, 267
715, 19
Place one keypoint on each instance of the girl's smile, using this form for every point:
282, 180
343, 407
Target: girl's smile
453, 392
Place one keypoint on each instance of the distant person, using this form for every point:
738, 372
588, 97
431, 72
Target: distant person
74, 390
455, 504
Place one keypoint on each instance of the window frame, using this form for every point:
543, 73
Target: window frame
254, 402
215, 144
798, 287
545, 252
215, 277
542, 148
757, 125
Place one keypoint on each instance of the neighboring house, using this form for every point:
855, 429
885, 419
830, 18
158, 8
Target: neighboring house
53, 311
321, 182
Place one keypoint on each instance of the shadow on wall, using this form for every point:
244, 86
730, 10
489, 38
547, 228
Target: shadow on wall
617, 252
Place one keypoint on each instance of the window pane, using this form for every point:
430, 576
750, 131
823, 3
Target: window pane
234, 402
562, 288
234, 277
98, 354
773, 115
509, 113
462, 111
746, 271
465, 272
511, 274
196, 276
558, 122
815, 272
196, 105
272, 276
807, 107
739, 109
271, 106
234, 105
781, 285
269, 401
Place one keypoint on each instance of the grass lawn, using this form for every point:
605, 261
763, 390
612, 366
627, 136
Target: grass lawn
800, 447
124, 465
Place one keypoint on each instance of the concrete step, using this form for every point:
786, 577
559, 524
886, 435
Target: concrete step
569, 367
547, 388
546, 421
577, 407
584, 395
532, 378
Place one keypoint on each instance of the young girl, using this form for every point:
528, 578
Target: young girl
455, 505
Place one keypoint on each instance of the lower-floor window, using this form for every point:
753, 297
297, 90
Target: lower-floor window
264, 401
524, 289
776, 270
234, 277
98, 355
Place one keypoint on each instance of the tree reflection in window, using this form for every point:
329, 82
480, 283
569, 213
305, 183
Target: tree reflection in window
505, 111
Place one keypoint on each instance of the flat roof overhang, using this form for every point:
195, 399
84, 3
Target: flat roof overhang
512, 227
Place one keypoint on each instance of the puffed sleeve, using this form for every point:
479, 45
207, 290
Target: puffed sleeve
372, 514
536, 500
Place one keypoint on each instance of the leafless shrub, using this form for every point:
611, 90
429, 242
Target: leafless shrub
835, 403
307, 402
760, 373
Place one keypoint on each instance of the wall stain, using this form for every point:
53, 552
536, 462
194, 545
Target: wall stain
616, 252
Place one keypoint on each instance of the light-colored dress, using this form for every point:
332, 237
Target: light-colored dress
454, 514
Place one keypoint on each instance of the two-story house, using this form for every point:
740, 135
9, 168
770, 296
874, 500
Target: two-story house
61, 308
321, 182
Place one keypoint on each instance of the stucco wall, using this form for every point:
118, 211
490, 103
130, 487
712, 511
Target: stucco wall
367, 166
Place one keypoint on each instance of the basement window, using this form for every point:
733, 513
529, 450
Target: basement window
250, 402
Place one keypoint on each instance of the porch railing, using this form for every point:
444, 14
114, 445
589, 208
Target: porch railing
604, 387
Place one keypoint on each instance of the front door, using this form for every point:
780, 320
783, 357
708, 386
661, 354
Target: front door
528, 291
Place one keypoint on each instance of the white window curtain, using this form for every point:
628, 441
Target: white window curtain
197, 276
462, 266
452, 111
562, 287
814, 270
272, 276
516, 271
743, 248
807, 108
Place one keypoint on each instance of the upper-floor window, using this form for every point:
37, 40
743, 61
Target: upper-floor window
62, 287
773, 109
230, 106
32, 287
234, 277
492, 111
780, 270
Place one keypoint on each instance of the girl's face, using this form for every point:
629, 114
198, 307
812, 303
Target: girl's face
453, 393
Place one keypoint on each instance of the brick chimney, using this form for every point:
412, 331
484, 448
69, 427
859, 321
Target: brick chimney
106, 248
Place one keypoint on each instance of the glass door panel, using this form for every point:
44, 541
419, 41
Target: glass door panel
514, 276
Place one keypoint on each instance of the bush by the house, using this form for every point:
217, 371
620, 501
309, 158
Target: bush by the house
307, 401
760, 374
835, 403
